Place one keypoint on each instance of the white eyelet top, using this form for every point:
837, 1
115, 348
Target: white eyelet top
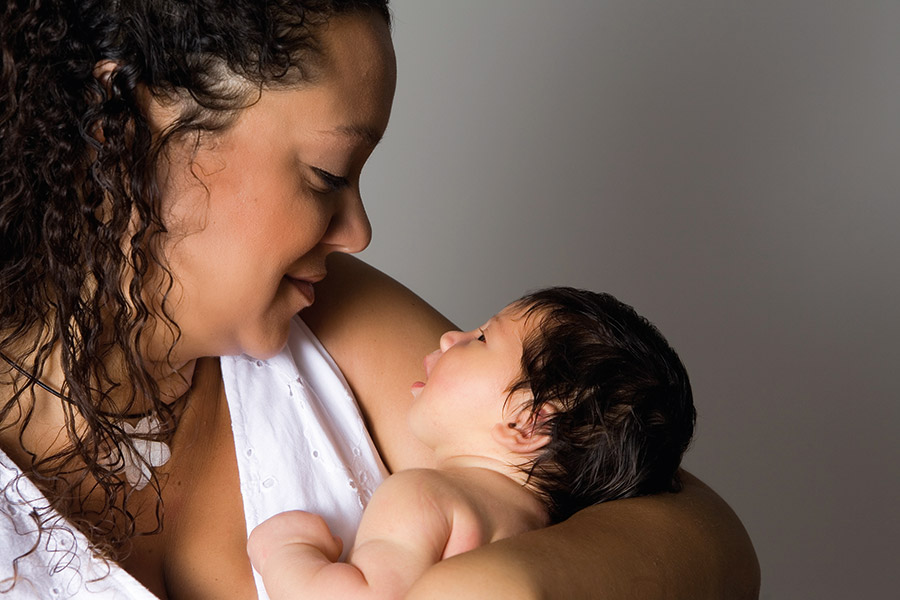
299, 437
300, 442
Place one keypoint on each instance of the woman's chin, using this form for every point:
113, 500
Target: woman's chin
267, 345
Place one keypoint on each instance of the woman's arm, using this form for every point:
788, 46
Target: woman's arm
685, 545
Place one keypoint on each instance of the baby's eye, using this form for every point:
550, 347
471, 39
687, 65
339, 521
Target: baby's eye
480, 338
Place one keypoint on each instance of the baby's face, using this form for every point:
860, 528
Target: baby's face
468, 379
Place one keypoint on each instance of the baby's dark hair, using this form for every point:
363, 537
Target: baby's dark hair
617, 399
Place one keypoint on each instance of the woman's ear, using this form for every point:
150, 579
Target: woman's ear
526, 432
102, 72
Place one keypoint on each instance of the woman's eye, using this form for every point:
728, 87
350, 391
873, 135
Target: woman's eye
329, 181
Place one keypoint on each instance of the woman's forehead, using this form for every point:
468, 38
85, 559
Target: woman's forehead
358, 46
358, 78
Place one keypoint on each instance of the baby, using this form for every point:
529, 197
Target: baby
564, 399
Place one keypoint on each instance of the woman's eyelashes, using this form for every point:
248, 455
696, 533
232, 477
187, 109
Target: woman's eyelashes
330, 182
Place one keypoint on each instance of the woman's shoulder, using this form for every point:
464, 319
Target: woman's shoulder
18, 529
53, 559
357, 297
378, 332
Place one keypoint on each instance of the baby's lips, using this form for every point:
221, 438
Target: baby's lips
416, 388
430, 359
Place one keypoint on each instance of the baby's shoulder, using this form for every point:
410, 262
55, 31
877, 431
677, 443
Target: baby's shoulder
411, 504
422, 494
420, 485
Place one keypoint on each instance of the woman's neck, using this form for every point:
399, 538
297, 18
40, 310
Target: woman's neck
37, 424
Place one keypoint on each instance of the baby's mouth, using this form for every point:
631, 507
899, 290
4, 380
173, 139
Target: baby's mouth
429, 361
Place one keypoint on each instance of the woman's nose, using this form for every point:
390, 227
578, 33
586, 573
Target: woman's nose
349, 230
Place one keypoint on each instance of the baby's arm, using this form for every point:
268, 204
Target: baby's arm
403, 532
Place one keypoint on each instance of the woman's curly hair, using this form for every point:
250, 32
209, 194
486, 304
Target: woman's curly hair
611, 394
80, 202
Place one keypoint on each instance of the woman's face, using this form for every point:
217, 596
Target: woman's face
255, 212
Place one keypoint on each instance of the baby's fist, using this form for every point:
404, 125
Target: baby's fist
287, 529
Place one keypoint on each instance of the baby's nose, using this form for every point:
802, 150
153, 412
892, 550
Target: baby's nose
450, 338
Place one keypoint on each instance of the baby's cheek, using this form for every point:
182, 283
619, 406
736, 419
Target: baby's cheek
422, 419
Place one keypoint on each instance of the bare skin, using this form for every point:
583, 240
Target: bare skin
201, 553
690, 545
415, 519
476, 495
687, 545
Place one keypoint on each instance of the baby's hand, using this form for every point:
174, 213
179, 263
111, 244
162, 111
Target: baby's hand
288, 529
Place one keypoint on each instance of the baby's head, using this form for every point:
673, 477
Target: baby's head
610, 393
581, 392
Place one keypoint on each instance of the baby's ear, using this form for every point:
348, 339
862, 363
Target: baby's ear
526, 432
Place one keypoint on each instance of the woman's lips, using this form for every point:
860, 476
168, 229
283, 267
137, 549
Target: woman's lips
416, 388
305, 288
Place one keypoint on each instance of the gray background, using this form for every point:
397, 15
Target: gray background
731, 169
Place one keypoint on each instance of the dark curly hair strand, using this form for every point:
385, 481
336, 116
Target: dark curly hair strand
80, 203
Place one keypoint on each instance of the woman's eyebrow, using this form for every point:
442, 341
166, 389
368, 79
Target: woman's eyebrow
369, 136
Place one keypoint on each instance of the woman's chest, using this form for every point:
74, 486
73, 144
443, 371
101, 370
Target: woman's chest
201, 551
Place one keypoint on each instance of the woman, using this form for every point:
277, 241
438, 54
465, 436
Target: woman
174, 176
